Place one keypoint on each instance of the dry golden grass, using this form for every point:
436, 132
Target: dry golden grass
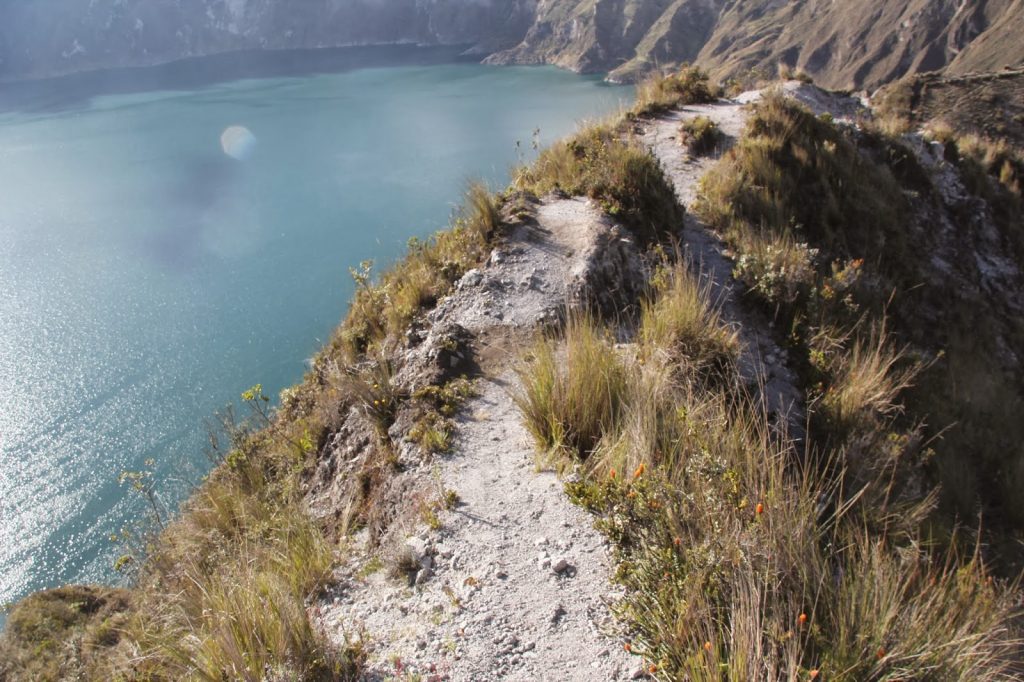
742, 563
381, 311
681, 318
792, 172
569, 398
700, 135
617, 172
661, 92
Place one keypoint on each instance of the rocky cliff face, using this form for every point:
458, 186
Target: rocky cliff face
840, 44
857, 45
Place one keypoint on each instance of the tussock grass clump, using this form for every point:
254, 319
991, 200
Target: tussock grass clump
680, 318
381, 311
740, 560
904, 616
571, 394
617, 173
700, 135
867, 378
661, 92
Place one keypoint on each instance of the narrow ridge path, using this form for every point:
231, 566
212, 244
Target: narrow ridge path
762, 360
514, 581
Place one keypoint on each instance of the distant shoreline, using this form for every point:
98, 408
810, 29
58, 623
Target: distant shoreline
192, 73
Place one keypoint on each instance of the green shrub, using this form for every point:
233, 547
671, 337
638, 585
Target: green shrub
794, 173
662, 92
619, 174
700, 135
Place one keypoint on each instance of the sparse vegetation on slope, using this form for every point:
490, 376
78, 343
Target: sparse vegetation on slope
381, 311
825, 222
64, 633
793, 172
730, 548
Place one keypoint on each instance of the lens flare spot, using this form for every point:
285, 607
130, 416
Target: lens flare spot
238, 142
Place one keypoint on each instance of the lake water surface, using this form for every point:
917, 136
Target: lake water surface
147, 278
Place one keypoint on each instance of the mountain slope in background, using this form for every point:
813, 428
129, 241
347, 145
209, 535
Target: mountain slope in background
840, 44
40, 39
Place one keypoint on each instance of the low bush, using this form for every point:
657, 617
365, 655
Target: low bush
701, 136
617, 173
662, 92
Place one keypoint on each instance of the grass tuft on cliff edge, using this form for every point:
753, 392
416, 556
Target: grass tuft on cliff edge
741, 562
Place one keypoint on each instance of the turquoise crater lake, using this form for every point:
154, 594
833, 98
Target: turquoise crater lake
154, 263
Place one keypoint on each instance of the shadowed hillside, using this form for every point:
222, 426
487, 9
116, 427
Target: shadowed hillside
841, 45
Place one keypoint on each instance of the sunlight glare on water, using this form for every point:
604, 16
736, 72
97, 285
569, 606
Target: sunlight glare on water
238, 142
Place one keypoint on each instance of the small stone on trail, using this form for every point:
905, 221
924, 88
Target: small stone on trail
471, 279
423, 575
560, 565
417, 548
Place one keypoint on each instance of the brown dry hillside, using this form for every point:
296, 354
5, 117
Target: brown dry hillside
840, 44
990, 104
862, 45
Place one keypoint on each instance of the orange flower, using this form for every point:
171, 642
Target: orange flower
639, 471
880, 653
678, 541
759, 509
707, 646
631, 494
653, 669
611, 474
814, 674
802, 619
627, 646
